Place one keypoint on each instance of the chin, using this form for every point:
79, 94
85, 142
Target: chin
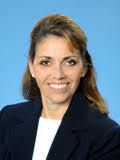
60, 100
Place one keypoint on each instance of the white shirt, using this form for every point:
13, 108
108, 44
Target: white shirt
46, 131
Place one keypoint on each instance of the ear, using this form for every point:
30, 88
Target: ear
31, 68
85, 68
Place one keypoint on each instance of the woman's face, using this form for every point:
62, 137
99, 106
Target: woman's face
57, 69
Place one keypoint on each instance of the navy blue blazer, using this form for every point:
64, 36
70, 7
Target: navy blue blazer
84, 133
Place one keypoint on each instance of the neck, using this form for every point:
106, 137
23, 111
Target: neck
54, 110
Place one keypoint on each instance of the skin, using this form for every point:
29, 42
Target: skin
57, 71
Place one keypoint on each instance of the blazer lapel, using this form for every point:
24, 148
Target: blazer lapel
23, 135
72, 132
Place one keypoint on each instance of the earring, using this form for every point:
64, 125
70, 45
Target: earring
33, 75
82, 75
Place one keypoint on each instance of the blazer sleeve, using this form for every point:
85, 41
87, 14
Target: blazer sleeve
4, 155
108, 147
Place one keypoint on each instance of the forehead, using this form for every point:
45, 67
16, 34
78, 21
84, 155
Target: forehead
55, 46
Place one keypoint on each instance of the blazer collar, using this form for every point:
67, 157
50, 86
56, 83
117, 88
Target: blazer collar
75, 116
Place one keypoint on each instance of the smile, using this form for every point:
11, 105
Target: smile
58, 86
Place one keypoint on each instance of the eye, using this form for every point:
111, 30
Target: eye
45, 63
70, 62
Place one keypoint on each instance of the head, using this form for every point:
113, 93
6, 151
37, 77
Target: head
62, 27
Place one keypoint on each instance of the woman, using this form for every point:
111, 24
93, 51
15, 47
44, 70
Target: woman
66, 117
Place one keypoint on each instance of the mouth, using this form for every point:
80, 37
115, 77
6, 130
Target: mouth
58, 85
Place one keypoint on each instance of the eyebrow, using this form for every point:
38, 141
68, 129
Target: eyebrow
45, 57
64, 58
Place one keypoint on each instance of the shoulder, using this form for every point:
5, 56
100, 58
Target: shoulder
14, 113
99, 121
104, 134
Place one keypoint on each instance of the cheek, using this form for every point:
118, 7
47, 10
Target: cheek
76, 79
75, 75
41, 77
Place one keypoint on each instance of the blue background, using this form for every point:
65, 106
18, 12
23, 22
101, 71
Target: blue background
100, 20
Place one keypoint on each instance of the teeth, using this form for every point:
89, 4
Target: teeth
58, 86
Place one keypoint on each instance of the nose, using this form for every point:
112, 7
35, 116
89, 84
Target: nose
59, 72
